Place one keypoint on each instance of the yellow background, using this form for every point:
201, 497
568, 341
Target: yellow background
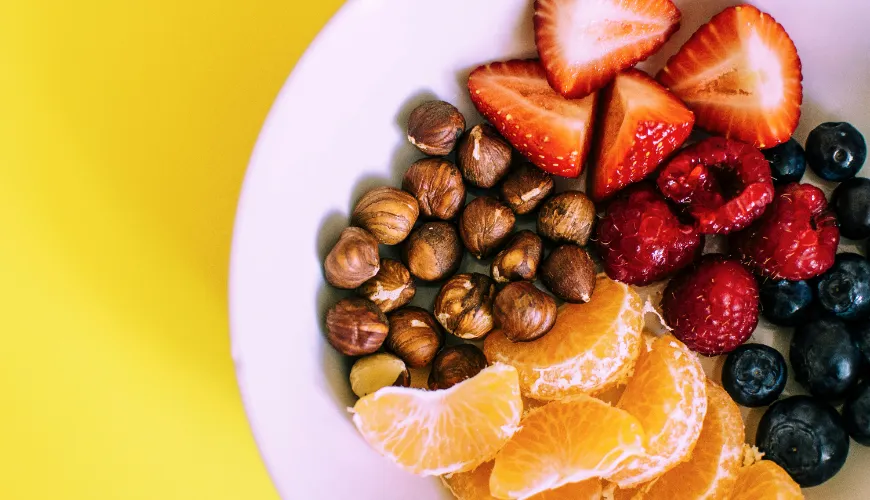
125, 129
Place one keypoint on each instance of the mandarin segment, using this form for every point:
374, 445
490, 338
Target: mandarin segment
591, 347
564, 442
765, 480
667, 394
427, 432
474, 485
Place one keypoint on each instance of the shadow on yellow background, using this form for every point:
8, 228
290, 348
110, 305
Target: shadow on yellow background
125, 129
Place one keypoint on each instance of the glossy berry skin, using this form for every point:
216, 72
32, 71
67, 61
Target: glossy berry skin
641, 239
836, 151
824, 358
754, 375
713, 307
844, 289
795, 239
787, 162
856, 414
785, 303
805, 436
861, 337
851, 203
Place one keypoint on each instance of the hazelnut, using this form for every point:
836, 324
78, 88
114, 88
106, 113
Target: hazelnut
525, 187
455, 364
437, 185
567, 218
569, 273
523, 312
388, 213
484, 225
463, 306
414, 336
483, 156
434, 127
353, 260
391, 288
356, 326
433, 251
519, 259
372, 373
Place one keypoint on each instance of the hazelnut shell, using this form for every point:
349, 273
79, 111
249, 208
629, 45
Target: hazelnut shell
391, 288
388, 213
353, 260
483, 156
455, 364
355, 326
567, 218
519, 259
484, 225
437, 185
414, 336
525, 187
569, 273
434, 127
523, 312
433, 251
463, 306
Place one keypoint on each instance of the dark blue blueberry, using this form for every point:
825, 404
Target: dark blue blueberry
844, 289
824, 358
754, 375
836, 151
787, 162
856, 414
805, 437
851, 202
785, 303
861, 337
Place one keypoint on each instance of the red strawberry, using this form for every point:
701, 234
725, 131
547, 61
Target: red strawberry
554, 133
583, 44
741, 75
643, 124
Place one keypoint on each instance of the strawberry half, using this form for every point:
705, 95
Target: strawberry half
741, 75
583, 44
554, 133
642, 124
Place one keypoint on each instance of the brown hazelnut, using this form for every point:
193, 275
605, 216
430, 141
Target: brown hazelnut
483, 156
569, 273
525, 186
434, 127
391, 288
356, 326
463, 306
373, 373
484, 225
437, 185
388, 213
353, 260
567, 218
455, 364
433, 251
414, 336
523, 312
519, 259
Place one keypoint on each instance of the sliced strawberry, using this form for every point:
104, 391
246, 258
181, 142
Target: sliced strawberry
741, 75
642, 124
554, 133
583, 44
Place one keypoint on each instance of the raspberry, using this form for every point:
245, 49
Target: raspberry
796, 239
641, 240
712, 308
725, 183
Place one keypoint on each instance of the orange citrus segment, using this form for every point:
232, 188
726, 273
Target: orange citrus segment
474, 485
430, 432
711, 472
566, 441
591, 347
765, 480
668, 396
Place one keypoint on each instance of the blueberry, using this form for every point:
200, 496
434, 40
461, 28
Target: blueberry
805, 437
785, 303
851, 202
754, 375
824, 358
787, 162
844, 289
856, 414
836, 151
861, 337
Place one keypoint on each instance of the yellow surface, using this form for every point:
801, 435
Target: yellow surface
125, 129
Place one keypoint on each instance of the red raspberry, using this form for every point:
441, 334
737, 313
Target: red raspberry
796, 239
726, 184
641, 240
712, 308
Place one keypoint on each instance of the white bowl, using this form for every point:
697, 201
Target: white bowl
338, 129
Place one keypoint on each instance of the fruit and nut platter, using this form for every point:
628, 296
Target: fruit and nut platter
569, 365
